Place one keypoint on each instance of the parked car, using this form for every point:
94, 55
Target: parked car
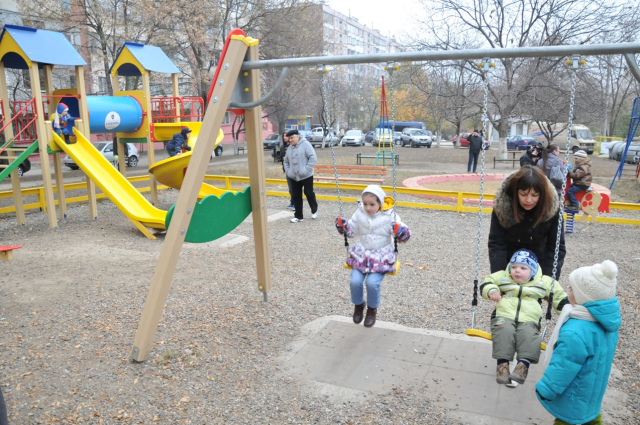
382, 137
353, 138
416, 137
22, 168
368, 138
464, 142
317, 134
272, 141
106, 149
397, 137
520, 142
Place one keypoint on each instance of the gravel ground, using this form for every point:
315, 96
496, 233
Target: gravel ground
71, 299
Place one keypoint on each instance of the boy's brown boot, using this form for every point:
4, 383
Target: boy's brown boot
519, 374
357, 313
370, 319
502, 373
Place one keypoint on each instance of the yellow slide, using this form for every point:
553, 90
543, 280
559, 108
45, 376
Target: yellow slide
112, 183
171, 171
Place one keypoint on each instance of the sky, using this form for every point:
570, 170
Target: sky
394, 15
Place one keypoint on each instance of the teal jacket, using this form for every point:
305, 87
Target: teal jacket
574, 383
520, 302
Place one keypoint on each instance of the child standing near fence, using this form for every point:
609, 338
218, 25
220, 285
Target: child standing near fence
376, 222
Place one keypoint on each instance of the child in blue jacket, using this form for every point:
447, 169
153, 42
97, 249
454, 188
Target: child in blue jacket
582, 346
63, 122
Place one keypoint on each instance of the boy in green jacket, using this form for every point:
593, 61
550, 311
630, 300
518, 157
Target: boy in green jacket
515, 323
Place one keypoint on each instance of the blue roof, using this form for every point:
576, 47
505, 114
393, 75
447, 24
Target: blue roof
41, 46
152, 58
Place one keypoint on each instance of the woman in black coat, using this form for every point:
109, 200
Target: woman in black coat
525, 215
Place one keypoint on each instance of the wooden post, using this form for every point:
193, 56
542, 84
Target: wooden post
57, 161
85, 129
187, 197
253, 127
153, 184
175, 92
8, 135
42, 145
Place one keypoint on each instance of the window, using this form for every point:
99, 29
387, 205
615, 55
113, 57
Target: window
227, 118
102, 85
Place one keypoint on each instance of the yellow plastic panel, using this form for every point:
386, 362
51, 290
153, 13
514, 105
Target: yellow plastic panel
111, 182
141, 97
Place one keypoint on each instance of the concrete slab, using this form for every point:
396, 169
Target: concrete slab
341, 360
277, 215
346, 362
224, 242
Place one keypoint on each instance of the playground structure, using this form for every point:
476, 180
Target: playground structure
236, 85
133, 115
634, 122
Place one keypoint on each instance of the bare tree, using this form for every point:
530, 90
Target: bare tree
520, 23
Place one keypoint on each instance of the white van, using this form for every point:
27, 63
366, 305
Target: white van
581, 137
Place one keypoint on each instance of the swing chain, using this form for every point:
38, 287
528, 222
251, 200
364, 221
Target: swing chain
390, 69
474, 302
325, 103
563, 190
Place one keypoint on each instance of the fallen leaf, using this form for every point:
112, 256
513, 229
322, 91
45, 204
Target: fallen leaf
184, 400
409, 264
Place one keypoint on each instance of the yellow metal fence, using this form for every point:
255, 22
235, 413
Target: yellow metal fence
229, 180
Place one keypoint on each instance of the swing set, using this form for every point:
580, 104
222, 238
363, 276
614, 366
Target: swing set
575, 62
236, 86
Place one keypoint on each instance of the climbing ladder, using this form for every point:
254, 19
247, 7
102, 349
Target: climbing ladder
633, 127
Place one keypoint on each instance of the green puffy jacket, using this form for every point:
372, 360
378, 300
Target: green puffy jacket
520, 302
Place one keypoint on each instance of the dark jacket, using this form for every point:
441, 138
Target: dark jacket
475, 143
547, 164
178, 143
506, 236
528, 159
581, 172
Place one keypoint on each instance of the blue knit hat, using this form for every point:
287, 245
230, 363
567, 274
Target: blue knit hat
61, 108
526, 257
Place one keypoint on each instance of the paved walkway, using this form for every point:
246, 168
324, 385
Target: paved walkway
344, 361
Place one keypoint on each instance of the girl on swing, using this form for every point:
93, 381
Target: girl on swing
376, 222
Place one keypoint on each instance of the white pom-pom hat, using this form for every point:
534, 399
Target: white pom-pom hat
594, 283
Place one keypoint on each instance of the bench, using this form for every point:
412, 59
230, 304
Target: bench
513, 160
345, 173
6, 252
382, 157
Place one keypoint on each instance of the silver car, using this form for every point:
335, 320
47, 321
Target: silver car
353, 138
416, 137
106, 149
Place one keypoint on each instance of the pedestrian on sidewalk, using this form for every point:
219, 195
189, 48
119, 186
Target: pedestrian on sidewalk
475, 145
298, 164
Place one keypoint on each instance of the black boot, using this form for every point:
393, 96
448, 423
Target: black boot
370, 319
357, 313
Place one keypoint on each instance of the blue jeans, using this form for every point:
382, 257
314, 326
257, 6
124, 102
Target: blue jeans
571, 193
473, 157
373, 281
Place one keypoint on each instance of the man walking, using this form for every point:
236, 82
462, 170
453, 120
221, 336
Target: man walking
475, 144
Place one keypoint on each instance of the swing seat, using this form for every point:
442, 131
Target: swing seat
393, 273
487, 335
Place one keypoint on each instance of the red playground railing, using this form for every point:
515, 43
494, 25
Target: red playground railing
163, 109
